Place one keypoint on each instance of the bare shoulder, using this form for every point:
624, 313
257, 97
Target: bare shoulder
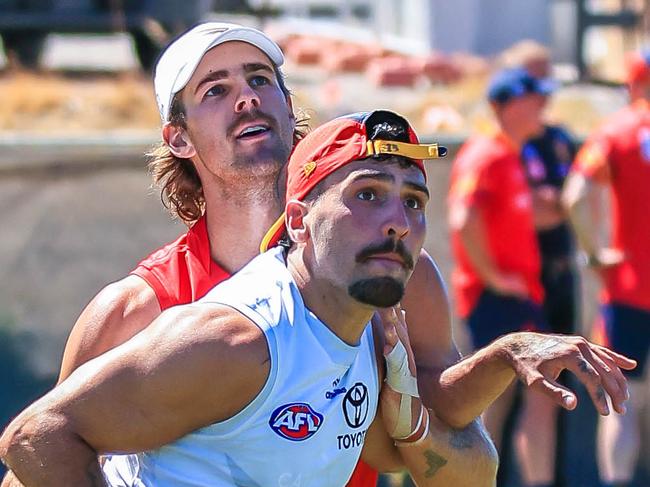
428, 315
194, 365
202, 347
212, 326
115, 314
426, 284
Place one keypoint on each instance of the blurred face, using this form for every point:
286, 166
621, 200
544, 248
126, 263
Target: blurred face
523, 113
239, 122
366, 230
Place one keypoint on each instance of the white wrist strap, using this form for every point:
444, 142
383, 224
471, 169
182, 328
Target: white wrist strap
411, 441
398, 374
400, 379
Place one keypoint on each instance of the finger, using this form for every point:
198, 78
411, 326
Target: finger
609, 377
618, 375
586, 374
621, 361
391, 338
560, 394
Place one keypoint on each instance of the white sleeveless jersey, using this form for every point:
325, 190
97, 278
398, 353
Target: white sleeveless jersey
307, 425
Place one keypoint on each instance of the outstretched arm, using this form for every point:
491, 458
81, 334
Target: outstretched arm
459, 391
105, 406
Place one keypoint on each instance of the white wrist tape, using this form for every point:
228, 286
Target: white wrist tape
411, 440
398, 374
400, 379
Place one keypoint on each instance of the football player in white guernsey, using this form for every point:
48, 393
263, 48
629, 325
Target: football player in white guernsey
273, 377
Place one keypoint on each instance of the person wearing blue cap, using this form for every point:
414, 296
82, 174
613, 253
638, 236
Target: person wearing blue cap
497, 277
547, 158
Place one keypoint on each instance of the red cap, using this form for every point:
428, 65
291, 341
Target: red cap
638, 67
336, 144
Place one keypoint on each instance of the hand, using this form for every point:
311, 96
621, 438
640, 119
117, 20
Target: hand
403, 414
538, 359
394, 322
509, 285
605, 258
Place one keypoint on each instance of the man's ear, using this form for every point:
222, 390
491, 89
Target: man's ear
295, 213
178, 141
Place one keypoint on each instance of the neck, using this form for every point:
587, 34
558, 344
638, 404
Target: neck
237, 219
343, 315
515, 134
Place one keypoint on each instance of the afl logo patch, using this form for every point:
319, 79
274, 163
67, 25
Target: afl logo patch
296, 421
355, 405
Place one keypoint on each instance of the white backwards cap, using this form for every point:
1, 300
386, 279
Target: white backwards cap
179, 61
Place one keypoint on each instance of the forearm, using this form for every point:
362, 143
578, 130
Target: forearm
582, 202
436, 454
48, 454
461, 392
447, 456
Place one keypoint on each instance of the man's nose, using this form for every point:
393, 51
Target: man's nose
248, 98
396, 224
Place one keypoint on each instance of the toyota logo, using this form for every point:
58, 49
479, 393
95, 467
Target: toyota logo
355, 405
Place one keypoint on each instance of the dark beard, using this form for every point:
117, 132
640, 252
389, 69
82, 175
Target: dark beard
380, 292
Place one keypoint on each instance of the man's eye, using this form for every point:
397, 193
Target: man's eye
215, 90
367, 195
259, 81
413, 203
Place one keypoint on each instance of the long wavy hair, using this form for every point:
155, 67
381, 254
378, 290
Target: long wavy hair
181, 190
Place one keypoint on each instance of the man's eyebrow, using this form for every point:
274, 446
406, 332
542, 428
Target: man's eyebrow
224, 73
211, 76
421, 188
250, 67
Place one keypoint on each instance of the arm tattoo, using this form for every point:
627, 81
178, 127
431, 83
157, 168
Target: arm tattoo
434, 461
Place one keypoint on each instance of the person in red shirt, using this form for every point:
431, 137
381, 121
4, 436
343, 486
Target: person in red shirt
617, 158
496, 279
228, 128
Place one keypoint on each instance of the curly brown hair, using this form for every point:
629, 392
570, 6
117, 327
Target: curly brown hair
181, 191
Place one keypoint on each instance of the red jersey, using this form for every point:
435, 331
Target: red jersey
488, 175
618, 154
182, 272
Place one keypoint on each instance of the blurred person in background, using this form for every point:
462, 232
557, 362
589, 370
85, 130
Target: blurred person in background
497, 277
616, 158
547, 158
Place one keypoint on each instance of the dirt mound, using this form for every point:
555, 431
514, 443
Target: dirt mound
54, 103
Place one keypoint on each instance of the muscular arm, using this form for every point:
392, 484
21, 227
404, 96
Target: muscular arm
117, 313
457, 392
106, 406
